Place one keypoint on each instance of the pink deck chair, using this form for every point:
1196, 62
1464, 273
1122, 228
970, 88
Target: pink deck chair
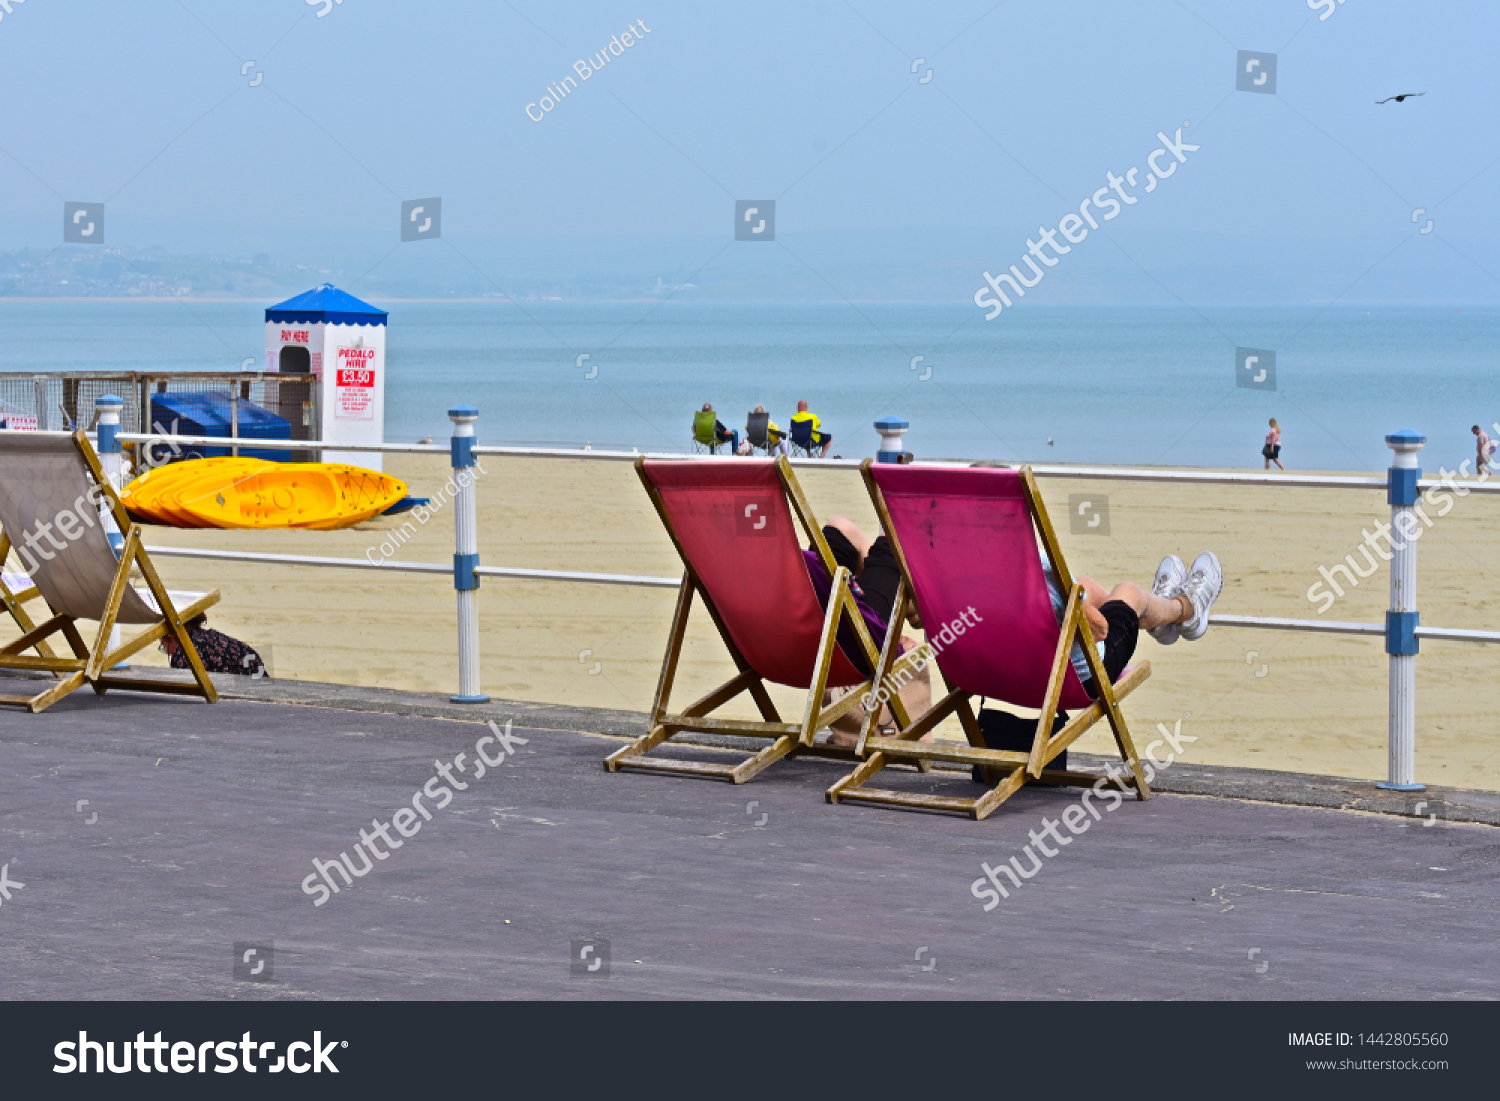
967, 543
732, 523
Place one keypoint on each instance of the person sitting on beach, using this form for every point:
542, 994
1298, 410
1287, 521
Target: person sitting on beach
1485, 447
816, 436
775, 438
722, 434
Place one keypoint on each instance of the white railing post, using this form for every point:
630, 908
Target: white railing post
466, 554
1402, 619
107, 438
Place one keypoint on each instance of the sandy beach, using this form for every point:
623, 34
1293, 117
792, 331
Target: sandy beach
1304, 702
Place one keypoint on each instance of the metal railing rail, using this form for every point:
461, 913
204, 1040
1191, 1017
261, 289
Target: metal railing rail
1403, 484
1041, 470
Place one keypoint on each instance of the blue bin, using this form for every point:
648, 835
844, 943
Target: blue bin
207, 414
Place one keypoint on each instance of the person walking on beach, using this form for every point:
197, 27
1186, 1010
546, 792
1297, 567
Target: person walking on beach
1485, 446
1272, 450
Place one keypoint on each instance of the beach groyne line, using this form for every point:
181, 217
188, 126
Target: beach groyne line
1403, 483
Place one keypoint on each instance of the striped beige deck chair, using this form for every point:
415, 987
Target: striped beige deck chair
51, 487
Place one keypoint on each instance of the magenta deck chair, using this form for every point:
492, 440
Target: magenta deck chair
967, 543
732, 523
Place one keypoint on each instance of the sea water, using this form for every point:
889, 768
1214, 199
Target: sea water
1045, 384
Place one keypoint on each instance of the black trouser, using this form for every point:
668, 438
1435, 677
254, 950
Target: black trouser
881, 574
1119, 644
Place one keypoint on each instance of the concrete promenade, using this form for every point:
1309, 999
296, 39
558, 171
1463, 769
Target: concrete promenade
208, 819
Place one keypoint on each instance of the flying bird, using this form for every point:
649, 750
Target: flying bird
1402, 98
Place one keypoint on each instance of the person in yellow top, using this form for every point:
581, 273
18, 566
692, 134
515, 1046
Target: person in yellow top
775, 439
817, 436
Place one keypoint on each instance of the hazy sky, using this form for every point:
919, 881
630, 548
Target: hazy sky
884, 183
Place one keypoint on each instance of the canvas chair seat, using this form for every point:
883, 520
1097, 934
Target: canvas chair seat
967, 543
51, 491
734, 527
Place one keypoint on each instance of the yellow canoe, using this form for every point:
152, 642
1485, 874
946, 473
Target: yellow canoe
152, 496
319, 496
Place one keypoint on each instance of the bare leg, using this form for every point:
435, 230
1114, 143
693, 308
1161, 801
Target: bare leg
1154, 611
860, 541
1278, 463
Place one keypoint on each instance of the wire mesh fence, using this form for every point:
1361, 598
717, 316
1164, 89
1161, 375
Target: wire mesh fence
248, 404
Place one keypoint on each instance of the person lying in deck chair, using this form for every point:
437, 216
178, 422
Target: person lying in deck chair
877, 575
1176, 607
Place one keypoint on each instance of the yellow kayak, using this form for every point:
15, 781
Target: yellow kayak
319, 496
153, 496
231, 492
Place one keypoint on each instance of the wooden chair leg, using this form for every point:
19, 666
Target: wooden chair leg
768, 756
867, 768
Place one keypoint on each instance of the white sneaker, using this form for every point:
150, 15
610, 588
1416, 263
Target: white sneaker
1203, 586
1170, 577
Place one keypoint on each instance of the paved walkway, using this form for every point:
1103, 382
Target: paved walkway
208, 819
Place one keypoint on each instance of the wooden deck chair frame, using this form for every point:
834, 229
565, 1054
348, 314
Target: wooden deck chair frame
90, 665
15, 599
1005, 770
786, 738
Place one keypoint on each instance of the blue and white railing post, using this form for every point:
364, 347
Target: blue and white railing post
1402, 619
107, 444
466, 554
891, 430
108, 408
